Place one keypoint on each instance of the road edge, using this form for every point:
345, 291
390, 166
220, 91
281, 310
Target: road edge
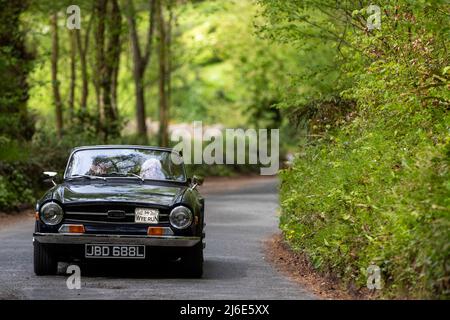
299, 269
11, 219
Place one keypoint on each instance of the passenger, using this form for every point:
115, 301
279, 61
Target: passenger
152, 169
98, 169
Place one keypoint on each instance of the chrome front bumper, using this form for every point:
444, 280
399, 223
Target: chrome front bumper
155, 241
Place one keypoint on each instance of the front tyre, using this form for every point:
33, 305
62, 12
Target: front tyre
193, 261
44, 261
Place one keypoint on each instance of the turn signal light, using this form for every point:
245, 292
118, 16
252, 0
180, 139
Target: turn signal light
155, 231
72, 228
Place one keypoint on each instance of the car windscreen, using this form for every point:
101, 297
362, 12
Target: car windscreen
126, 162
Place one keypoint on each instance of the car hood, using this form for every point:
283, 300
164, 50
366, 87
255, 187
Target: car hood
118, 192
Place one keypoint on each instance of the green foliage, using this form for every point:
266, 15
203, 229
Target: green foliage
374, 192
216, 77
224, 78
371, 183
14, 190
367, 109
15, 64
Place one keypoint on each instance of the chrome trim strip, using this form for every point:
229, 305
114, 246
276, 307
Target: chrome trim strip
156, 241
105, 213
87, 213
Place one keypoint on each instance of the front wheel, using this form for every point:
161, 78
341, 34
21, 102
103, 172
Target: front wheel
193, 261
44, 261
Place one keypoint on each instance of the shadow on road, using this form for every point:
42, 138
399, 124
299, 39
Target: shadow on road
213, 269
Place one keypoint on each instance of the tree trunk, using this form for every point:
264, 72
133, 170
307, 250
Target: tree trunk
100, 11
140, 62
73, 74
82, 50
163, 105
114, 85
112, 65
54, 72
140, 105
169, 56
15, 65
84, 75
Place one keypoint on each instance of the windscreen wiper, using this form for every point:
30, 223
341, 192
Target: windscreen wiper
128, 174
87, 176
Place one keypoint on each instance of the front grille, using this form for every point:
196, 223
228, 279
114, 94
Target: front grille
99, 213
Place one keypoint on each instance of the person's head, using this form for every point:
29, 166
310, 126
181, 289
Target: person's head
98, 169
152, 169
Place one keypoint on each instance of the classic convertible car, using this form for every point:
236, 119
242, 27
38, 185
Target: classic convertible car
122, 203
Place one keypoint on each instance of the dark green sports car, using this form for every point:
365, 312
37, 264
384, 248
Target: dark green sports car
121, 203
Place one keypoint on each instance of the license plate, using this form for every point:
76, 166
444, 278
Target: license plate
114, 251
144, 215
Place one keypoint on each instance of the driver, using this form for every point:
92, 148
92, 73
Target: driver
152, 169
98, 169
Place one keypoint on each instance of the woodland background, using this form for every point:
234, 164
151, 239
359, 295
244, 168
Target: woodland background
365, 112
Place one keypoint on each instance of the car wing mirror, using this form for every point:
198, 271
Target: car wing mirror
50, 174
50, 177
197, 180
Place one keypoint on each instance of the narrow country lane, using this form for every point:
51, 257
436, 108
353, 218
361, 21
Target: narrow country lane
238, 222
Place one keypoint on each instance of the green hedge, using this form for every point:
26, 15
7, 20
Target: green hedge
375, 191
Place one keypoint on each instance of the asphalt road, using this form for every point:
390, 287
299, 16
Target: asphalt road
237, 224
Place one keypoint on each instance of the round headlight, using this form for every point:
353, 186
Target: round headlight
180, 217
51, 213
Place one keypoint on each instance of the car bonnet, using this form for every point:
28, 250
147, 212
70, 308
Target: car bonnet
119, 192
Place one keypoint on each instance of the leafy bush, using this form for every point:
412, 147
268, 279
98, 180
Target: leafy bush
15, 187
373, 186
375, 192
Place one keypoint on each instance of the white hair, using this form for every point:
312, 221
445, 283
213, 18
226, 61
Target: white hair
152, 169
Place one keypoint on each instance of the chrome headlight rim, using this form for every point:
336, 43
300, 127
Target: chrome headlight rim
60, 215
188, 213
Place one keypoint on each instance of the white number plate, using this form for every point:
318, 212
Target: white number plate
112, 251
144, 215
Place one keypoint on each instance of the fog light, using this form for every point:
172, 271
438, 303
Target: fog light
72, 228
